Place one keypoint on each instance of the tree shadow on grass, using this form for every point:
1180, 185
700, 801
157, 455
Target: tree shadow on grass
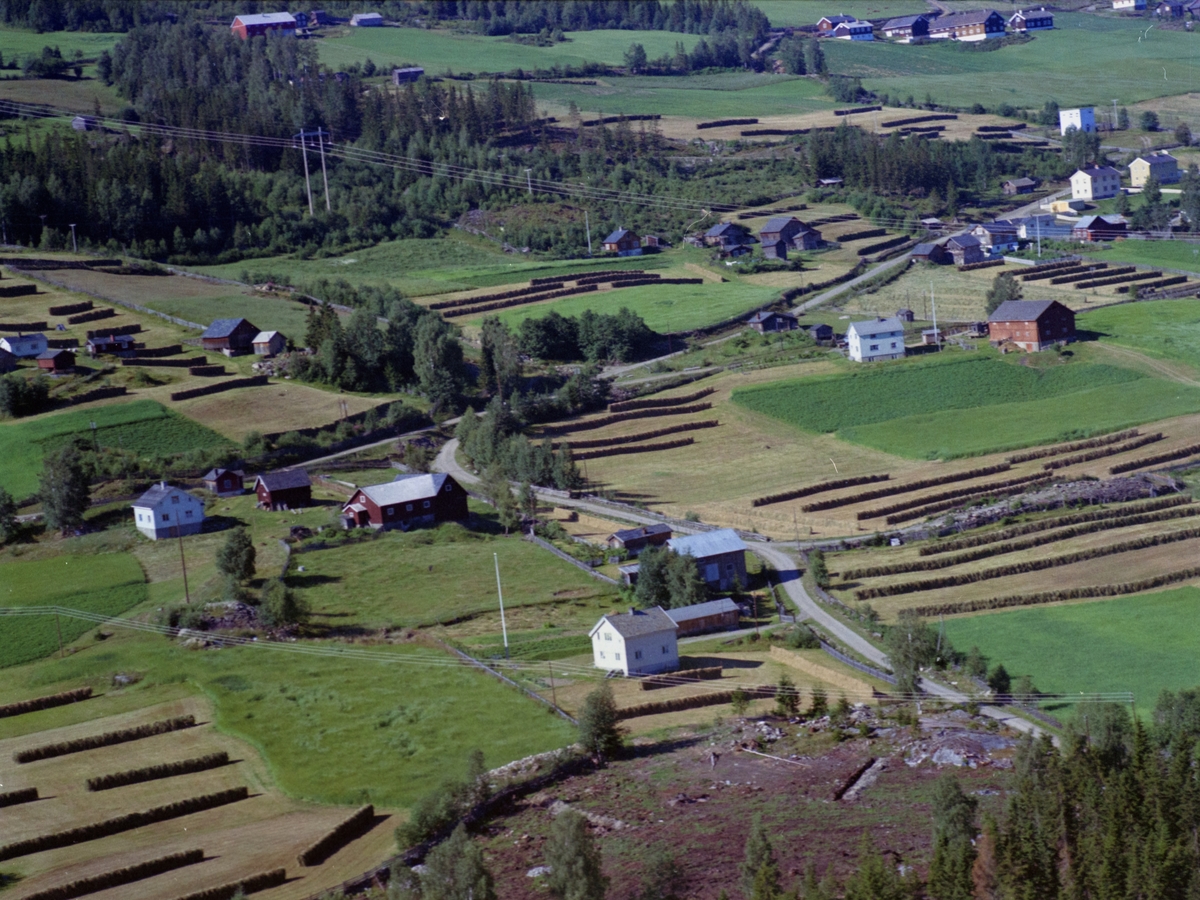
310, 581
220, 523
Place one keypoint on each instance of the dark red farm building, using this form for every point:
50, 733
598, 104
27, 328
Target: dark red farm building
285, 489
259, 24
230, 336
406, 501
226, 482
1032, 325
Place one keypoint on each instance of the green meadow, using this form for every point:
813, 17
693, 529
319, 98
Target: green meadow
18, 43
143, 426
440, 51
1086, 59
1183, 255
969, 406
1132, 644
268, 313
720, 95
1163, 328
808, 12
107, 583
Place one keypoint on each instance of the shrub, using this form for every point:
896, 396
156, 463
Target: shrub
280, 605
598, 731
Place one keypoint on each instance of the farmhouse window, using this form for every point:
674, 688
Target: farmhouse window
665, 649
189, 513
602, 654
893, 345
426, 504
637, 654
618, 656
874, 346
166, 517
607, 636
174, 498
449, 488
408, 507
391, 510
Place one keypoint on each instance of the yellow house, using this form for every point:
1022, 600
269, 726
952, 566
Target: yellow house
1162, 166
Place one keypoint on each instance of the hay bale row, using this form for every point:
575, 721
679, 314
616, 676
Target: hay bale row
33, 705
913, 503
107, 739
81, 887
679, 704
1073, 447
344, 832
539, 288
251, 885
18, 290
1022, 568
986, 264
655, 402
252, 381
817, 489
154, 352
127, 822
1049, 524
913, 120
1119, 279
21, 795
882, 245
553, 279
1155, 285
626, 449
157, 362
93, 316
1086, 275
1169, 456
705, 673
153, 773
20, 327
861, 235
641, 435
633, 414
856, 110
1058, 271
207, 371
905, 488
518, 301
722, 123
999, 549
1111, 450
69, 309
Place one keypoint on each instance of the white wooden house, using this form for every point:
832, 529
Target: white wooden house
640, 642
167, 512
875, 339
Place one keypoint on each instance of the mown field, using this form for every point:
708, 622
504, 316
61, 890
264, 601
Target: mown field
18, 43
919, 410
143, 426
1065, 61
1136, 644
108, 583
807, 12
1170, 254
426, 576
441, 51
1166, 329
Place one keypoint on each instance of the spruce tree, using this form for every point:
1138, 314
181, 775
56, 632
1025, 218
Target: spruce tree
8, 516
1004, 288
574, 860
64, 490
237, 556
758, 857
598, 730
455, 870
953, 837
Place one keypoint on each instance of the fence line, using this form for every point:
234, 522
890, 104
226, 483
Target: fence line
533, 695
561, 554
128, 304
855, 664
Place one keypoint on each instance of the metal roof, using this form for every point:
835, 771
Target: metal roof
275, 18
876, 326
617, 236
264, 337
1093, 171
637, 622
923, 249
701, 610
837, 20
159, 493
283, 479
405, 489
632, 534
903, 21
1020, 310
722, 228
50, 354
709, 543
964, 241
957, 20
778, 223
224, 328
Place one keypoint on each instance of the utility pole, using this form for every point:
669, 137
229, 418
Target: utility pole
587, 225
324, 174
528, 181
74, 245
307, 185
553, 690
500, 594
936, 337
187, 598
1039, 235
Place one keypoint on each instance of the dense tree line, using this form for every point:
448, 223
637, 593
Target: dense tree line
493, 444
592, 336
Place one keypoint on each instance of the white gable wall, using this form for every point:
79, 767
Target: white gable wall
641, 655
179, 510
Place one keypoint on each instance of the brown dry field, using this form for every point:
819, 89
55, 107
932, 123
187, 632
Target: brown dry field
260, 833
78, 96
280, 406
684, 127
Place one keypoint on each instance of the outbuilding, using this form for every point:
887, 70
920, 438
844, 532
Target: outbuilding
167, 512
284, 489
640, 642
25, 346
793, 233
715, 615
762, 322
259, 24
407, 75
930, 252
1031, 20
230, 336
114, 344
975, 25
965, 249
623, 242
1090, 229
366, 20
821, 333
269, 343
905, 28
405, 502
225, 482
1032, 325
634, 540
56, 362
8, 362
1019, 186
720, 556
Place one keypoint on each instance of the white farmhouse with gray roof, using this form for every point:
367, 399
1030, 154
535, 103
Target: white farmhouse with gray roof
167, 512
640, 642
875, 339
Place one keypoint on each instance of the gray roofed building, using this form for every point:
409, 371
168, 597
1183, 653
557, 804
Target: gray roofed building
640, 642
708, 543
700, 610
873, 327
285, 478
164, 511
638, 622
405, 488
220, 328
1013, 310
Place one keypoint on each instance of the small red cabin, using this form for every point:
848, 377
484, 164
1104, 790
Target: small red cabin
56, 362
285, 489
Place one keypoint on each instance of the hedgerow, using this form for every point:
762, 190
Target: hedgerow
905, 488
107, 739
153, 773
998, 549
1073, 447
343, 833
1145, 461
1111, 450
817, 489
81, 887
127, 822
36, 703
1058, 522
1033, 565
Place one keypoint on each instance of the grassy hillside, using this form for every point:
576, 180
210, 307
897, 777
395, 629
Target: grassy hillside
1086, 57
441, 51
143, 426
1130, 644
1166, 328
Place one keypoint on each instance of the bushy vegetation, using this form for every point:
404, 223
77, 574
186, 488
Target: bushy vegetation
494, 441
438, 811
589, 336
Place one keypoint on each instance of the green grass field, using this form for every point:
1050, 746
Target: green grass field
105, 583
807, 12
430, 576
670, 308
143, 426
1084, 58
734, 94
15, 42
442, 51
268, 313
1171, 254
1137, 644
922, 410
1163, 328
333, 730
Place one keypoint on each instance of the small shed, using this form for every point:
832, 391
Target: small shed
932, 336
1019, 186
762, 322
634, 540
8, 361
85, 123
715, 615
366, 20
905, 315
931, 253
225, 482
285, 489
230, 336
821, 333
407, 75
56, 362
115, 344
623, 242
269, 343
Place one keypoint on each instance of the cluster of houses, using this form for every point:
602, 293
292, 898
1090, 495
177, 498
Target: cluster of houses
1167, 9
298, 24
973, 25
778, 236
235, 337
50, 360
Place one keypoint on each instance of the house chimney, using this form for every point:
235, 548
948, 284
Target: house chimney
632, 611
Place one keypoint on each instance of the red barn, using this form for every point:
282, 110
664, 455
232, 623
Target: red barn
1032, 325
260, 24
56, 362
225, 482
285, 489
406, 501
